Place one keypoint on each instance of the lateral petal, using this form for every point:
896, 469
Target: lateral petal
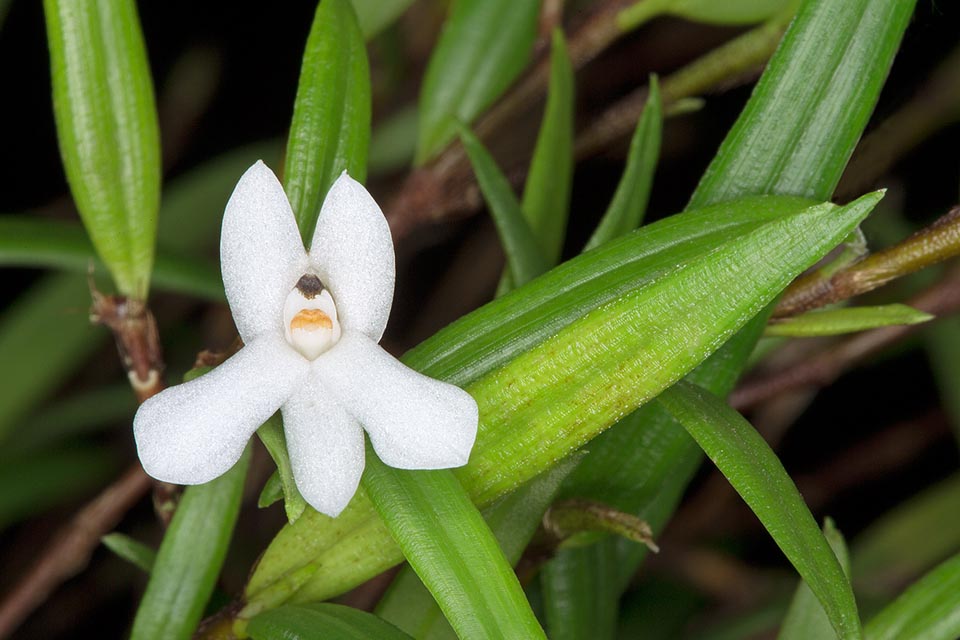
414, 422
193, 432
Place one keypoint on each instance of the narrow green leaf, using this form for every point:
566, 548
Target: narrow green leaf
107, 129
33, 483
828, 71
446, 541
26, 241
133, 551
752, 468
393, 142
928, 610
321, 621
44, 335
806, 619
546, 194
375, 15
831, 322
272, 491
479, 54
330, 131
76, 414
190, 557
651, 331
629, 203
879, 561
942, 342
512, 519
272, 436
574, 574
728, 12
524, 254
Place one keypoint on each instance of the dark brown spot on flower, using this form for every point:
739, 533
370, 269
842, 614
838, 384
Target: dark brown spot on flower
310, 286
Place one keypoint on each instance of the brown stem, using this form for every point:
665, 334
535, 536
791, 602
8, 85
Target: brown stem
822, 369
70, 551
936, 243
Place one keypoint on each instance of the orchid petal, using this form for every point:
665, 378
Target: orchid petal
326, 448
261, 254
352, 251
414, 422
196, 431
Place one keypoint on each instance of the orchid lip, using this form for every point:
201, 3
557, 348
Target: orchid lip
310, 321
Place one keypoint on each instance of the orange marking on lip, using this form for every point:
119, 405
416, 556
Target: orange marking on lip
311, 320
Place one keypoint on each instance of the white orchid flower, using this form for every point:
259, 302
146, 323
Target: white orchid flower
310, 322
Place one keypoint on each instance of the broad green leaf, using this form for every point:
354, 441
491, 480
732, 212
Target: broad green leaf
44, 335
513, 520
828, 72
375, 15
27, 241
728, 12
33, 483
446, 541
806, 619
629, 203
928, 610
190, 557
879, 561
272, 436
107, 129
133, 551
831, 322
330, 131
483, 47
646, 464
524, 254
610, 359
752, 468
321, 621
546, 194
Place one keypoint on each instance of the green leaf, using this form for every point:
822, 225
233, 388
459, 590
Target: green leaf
483, 47
831, 322
828, 71
727, 12
653, 328
751, 467
27, 241
942, 341
107, 129
272, 436
190, 557
44, 335
879, 561
645, 465
33, 483
321, 621
375, 15
546, 194
806, 619
133, 551
629, 203
524, 255
928, 610
446, 541
512, 519
330, 131
573, 574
